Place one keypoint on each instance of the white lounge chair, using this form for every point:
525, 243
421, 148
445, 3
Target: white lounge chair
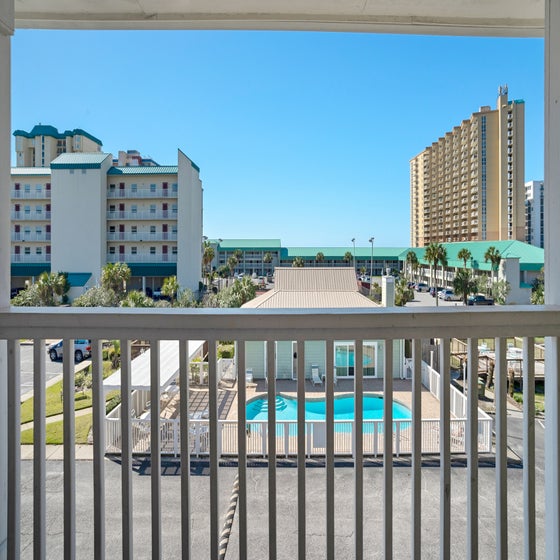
249, 375
315, 376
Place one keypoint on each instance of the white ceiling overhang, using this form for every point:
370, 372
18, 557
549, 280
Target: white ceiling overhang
516, 18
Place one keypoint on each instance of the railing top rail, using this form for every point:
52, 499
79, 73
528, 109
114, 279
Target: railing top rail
303, 324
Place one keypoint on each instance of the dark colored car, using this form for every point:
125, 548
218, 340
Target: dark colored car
479, 299
434, 291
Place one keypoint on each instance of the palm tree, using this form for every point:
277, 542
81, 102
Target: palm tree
463, 284
267, 259
436, 253
493, 255
347, 258
232, 263
208, 255
412, 262
464, 255
170, 288
319, 257
298, 262
114, 276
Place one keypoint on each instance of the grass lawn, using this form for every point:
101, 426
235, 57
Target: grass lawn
54, 431
54, 398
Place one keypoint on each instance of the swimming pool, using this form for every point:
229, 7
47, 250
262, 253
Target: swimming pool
286, 408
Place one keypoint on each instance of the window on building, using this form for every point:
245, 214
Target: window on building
38, 209
134, 229
174, 250
174, 228
112, 208
134, 208
27, 209
152, 208
134, 187
152, 229
111, 229
112, 188
134, 250
38, 250
38, 189
174, 208
39, 230
111, 250
152, 250
27, 250
27, 188
153, 188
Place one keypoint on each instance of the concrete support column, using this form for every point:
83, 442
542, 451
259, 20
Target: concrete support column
6, 30
552, 274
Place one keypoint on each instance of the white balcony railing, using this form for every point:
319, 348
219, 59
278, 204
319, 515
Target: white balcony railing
270, 326
128, 215
141, 193
23, 216
142, 258
22, 236
30, 258
31, 195
142, 236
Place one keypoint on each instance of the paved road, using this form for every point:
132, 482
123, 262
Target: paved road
52, 368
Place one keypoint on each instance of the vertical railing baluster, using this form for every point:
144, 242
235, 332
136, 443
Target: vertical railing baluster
39, 452
69, 438
214, 454
416, 512
329, 451
126, 452
242, 448
529, 526
445, 450
301, 448
155, 448
14, 450
358, 451
185, 452
271, 377
500, 401
472, 447
98, 412
388, 450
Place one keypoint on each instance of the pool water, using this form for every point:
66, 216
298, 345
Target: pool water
286, 408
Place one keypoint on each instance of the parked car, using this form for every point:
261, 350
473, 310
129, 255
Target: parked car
479, 299
421, 287
435, 290
82, 349
449, 295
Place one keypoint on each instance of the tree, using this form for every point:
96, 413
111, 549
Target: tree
185, 298
47, 291
436, 253
320, 257
464, 285
347, 257
208, 255
232, 263
170, 288
114, 276
465, 255
98, 296
267, 259
493, 255
412, 262
403, 294
137, 298
537, 291
298, 262
500, 291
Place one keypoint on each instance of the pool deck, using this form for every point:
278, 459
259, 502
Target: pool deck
402, 392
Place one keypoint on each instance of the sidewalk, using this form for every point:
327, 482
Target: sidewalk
56, 452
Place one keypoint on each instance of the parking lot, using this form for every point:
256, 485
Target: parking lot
424, 299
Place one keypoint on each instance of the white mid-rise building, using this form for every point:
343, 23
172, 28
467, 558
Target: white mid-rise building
82, 212
534, 213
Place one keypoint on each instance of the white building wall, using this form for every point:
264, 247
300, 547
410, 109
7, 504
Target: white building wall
509, 270
78, 219
189, 224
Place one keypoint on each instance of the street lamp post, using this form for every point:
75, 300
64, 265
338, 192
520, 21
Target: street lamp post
371, 239
354, 253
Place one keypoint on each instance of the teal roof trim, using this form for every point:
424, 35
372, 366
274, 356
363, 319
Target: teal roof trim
337, 253
194, 166
248, 244
153, 269
29, 269
78, 279
139, 170
48, 130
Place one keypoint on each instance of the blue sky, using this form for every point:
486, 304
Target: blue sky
305, 137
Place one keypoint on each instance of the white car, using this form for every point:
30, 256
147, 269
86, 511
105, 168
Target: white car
82, 349
449, 295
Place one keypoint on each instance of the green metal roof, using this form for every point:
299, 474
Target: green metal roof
48, 130
530, 257
248, 244
78, 279
139, 170
91, 160
337, 253
31, 171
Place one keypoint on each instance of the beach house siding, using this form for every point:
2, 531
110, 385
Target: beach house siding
284, 359
255, 358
